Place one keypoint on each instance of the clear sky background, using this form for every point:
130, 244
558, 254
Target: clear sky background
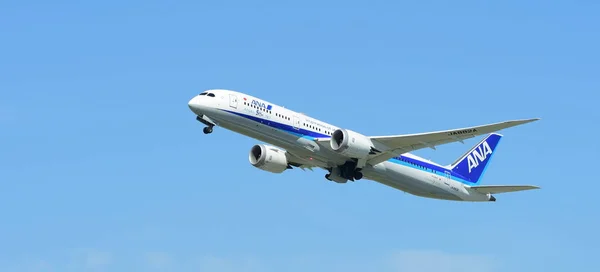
103, 167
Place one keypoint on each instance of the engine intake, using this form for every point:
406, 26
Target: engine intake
350, 143
268, 158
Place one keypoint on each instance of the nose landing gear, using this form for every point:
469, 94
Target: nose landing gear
209, 125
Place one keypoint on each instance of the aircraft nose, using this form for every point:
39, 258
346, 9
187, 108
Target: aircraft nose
194, 104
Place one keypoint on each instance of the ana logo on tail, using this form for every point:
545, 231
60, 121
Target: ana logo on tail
478, 155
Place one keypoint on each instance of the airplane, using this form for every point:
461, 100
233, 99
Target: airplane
297, 140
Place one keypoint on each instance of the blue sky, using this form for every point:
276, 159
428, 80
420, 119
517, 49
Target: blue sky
103, 167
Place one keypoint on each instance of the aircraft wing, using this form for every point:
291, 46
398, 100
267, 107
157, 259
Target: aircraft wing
399, 144
496, 189
395, 145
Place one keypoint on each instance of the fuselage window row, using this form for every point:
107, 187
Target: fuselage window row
267, 111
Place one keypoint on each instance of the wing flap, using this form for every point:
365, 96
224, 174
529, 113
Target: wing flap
497, 189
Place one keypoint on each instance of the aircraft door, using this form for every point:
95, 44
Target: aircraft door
450, 184
296, 122
233, 101
446, 177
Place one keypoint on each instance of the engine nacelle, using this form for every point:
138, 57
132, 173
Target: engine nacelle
268, 158
351, 144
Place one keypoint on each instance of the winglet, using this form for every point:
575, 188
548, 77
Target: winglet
525, 121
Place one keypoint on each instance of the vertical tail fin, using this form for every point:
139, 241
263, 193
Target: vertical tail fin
472, 165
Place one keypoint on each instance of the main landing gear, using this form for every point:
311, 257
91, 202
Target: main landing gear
208, 130
344, 172
349, 170
356, 175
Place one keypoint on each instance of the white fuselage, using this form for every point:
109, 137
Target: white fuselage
294, 132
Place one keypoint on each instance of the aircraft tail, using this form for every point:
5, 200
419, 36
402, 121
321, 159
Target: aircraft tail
472, 165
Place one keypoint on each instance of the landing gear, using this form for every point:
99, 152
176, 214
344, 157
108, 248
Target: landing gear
335, 176
345, 172
350, 171
358, 174
209, 125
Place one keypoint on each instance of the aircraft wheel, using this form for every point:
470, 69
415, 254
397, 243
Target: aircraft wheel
207, 130
358, 175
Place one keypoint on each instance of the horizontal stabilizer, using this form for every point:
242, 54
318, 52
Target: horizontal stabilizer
497, 189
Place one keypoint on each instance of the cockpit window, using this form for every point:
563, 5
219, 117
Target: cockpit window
211, 94
204, 93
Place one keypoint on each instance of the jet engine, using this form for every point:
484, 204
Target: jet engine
351, 144
268, 158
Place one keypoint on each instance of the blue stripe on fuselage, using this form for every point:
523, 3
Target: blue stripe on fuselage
428, 167
402, 160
